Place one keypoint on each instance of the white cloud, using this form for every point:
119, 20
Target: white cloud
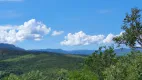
80, 38
108, 39
31, 29
56, 33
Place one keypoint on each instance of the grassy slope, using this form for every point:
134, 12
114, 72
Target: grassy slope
48, 63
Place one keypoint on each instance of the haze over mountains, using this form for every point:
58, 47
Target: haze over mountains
82, 52
85, 52
118, 52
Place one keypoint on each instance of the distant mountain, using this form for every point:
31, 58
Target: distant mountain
118, 52
49, 50
10, 47
123, 51
84, 52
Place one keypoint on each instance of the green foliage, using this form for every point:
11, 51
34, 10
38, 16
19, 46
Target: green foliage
12, 77
103, 64
33, 75
100, 60
82, 75
20, 58
127, 68
133, 29
63, 74
21, 62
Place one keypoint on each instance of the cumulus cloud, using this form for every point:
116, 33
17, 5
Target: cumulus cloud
81, 38
31, 29
56, 33
109, 38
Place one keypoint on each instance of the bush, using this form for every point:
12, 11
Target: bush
127, 68
82, 75
33, 75
100, 60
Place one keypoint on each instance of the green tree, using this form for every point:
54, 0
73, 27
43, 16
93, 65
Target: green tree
100, 60
127, 68
132, 29
83, 74
33, 75
63, 74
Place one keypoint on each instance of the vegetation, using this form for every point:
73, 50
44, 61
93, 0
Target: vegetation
40, 63
103, 64
133, 30
98, 62
127, 68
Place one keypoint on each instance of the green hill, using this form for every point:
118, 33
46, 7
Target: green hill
49, 63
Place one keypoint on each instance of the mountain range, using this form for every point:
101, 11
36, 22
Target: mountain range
82, 52
10, 47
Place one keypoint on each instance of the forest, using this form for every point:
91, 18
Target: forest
103, 64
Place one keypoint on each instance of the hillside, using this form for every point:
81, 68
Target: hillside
48, 63
9, 47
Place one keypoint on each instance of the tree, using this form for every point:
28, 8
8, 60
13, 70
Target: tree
33, 75
127, 68
133, 30
63, 74
100, 60
83, 74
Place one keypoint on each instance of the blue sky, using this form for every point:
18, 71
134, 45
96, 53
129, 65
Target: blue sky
88, 18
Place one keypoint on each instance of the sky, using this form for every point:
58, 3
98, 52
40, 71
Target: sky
62, 24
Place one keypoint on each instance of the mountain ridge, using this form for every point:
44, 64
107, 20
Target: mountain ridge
118, 52
81, 52
10, 47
